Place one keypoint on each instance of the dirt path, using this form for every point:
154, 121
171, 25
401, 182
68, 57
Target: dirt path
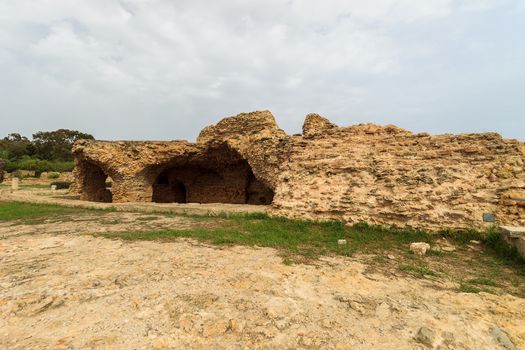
103, 222
61, 197
75, 291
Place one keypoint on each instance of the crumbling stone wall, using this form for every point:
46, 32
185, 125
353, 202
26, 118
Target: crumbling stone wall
387, 175
225, 165
378, 174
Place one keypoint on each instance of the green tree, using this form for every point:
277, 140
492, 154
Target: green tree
56, 145
14, 146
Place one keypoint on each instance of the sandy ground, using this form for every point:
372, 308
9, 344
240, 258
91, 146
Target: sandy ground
63, 289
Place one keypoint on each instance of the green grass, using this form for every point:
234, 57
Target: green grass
373, 238
147, 218
495, 265
469, 288
111, 222
299, 237
506, 254
307, 238
312, 239
53, 176
482, 281
302, 241
10, 211
28, 185
418, 271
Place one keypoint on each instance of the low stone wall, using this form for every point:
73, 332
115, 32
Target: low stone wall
62, 176
378, 174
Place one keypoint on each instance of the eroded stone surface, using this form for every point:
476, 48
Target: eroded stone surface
379, 174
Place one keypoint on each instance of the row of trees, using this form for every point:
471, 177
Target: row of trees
46, 151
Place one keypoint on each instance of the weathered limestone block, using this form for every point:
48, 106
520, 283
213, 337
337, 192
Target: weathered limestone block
379, 174
419, 248
15, 183
256, 137
260, 125
314, 125
515, 237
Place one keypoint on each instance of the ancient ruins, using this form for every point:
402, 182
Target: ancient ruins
378, 174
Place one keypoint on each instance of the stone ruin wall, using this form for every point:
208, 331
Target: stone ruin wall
378, 174
387, 175
223, 166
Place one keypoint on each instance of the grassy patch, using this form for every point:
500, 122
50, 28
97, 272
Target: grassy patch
469, 288
39, 186
111, 222
463, 237
147, 218
482, 281
305, 238
505, 253
10, 211
383, 249
301, 241
418, 271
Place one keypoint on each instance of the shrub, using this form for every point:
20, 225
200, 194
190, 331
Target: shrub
17, 173
61, 185
38, 165
53, 176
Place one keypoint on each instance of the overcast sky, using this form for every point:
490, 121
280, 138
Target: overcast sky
164, 69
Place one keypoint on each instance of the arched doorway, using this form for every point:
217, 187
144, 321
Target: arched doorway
257, 192
168, 189
95, 187
219, 175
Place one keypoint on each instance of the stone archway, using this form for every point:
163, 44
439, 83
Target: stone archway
168, 189
93, 187
216, 175
257, 192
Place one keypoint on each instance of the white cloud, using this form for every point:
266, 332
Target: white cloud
164, 69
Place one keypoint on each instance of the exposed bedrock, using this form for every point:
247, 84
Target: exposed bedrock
378, 174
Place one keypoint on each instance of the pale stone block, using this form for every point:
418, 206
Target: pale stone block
15, 183
419, 248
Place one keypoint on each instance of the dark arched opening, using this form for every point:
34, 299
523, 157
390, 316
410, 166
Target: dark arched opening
168, 189
217, 176
95, 184
257, 192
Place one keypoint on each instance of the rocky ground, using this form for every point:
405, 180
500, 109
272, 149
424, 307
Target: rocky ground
61, 288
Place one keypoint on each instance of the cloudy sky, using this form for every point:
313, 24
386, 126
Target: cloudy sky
163, 69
